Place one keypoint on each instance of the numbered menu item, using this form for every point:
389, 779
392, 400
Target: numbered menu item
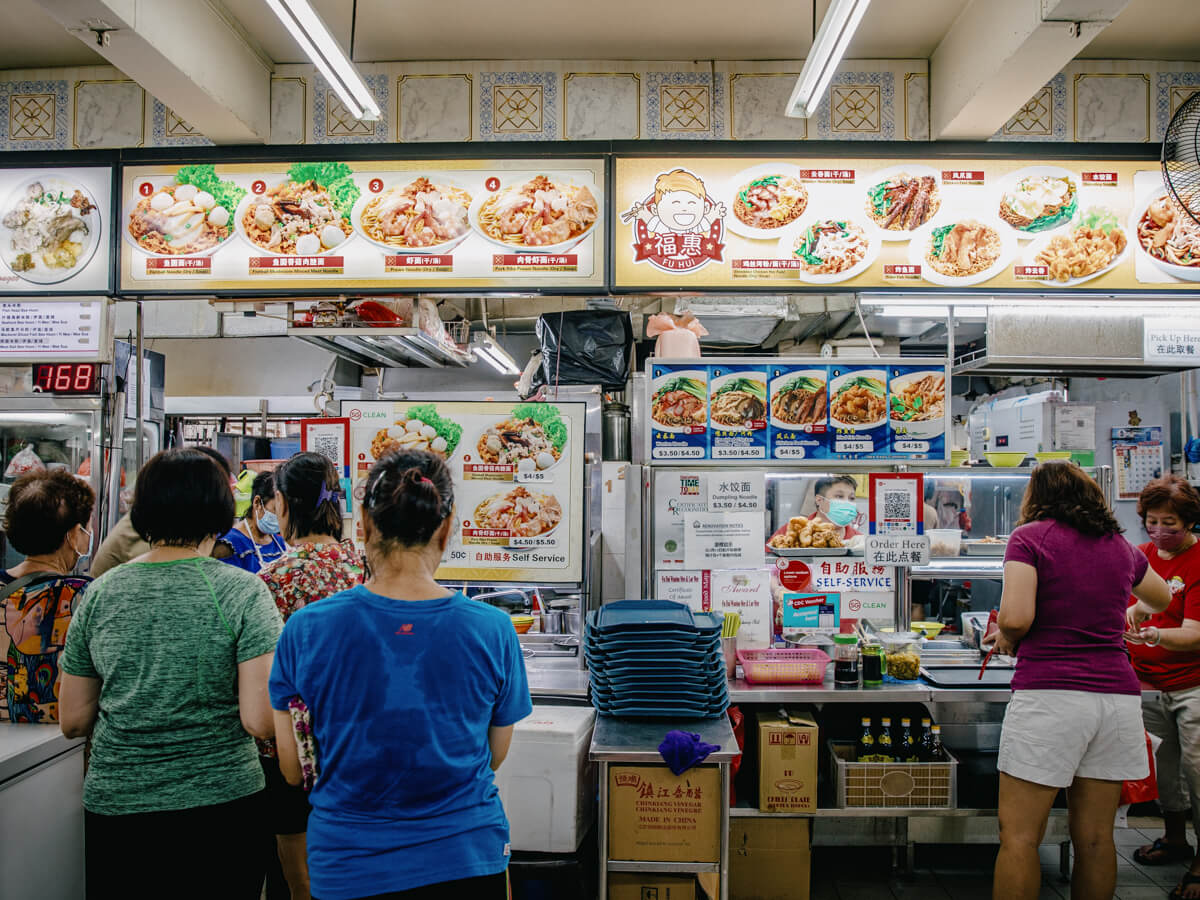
679, 412
738, 412
518, 481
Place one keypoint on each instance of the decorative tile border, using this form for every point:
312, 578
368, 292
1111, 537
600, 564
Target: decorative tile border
333, 124
168, 130
34, 115
865, 107
1048, 106
1172, 90
684, 105
518, 106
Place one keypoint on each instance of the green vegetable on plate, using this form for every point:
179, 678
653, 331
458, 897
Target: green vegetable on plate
548, 416
451, 432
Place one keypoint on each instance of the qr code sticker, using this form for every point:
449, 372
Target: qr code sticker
897, 505
328, 445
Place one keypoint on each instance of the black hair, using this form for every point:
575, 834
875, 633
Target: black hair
300, 480
181, 498
217, 457
824, 484
43, 507
263, 489
409, 495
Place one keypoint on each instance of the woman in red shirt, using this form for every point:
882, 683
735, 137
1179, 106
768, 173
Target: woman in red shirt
1165, 650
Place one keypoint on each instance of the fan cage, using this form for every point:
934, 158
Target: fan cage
1181, 157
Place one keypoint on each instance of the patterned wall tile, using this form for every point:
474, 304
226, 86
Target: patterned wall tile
332, 123
602, 106
1172, 90
859, 106
434, 107
169, 130
1112, 106
916, 106
34, 115
687, 105
518, 106
108, 113
756, 107
1042, 118
289, 110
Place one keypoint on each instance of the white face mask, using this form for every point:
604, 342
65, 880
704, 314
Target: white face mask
87, 552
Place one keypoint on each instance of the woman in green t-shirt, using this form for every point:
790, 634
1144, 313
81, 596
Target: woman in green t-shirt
166, 668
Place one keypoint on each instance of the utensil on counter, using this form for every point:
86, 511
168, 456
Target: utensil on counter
992, 628
731, 625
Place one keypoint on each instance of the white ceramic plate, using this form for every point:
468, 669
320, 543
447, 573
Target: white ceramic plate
1185, 273
792, 232
916, 249
836, 384
1009, 181
778, 384
922, 430
736, 225
914, 171
1040, 244
260, 250
432, 249
562, 247
161, 181
41, 273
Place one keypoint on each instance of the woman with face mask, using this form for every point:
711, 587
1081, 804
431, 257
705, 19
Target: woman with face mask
46, 519
1165, 649
254, 542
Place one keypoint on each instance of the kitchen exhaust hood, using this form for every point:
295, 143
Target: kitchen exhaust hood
1068, 339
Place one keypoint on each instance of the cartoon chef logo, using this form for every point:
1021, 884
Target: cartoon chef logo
679, 227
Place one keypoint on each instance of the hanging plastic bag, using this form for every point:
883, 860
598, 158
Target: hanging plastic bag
678, 336
24, 460
738, 720
1146, 789
585, 346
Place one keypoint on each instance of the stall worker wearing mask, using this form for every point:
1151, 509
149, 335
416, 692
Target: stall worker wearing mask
46, 519
833, 501
411, 692
1165, 650
253, 542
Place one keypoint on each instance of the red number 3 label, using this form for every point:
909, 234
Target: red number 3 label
376, 185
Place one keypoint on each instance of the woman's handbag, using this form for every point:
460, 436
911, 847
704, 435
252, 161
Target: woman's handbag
306, 744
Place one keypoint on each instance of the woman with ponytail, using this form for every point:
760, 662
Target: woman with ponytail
412, 691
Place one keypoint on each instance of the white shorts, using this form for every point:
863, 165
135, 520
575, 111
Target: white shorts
1052, 737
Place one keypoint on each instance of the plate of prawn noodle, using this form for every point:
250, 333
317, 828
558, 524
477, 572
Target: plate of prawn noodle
1167, 236
766, 198
962, 249
306, 214
858, 400
799, 400
917, 405
519, 511
425, 215
830, 250
680, 402
739, 401
1095, 243
902, 199
540, 215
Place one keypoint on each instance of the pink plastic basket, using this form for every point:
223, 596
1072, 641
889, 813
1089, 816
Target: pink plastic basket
783, 666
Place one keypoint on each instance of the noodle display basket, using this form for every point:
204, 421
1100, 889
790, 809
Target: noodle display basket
783, 666
885, 785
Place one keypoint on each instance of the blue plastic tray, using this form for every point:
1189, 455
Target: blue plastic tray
643, 613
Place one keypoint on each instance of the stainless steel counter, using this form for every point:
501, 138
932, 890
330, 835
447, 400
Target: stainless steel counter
551, 682
24, 746
741, 691
630, 740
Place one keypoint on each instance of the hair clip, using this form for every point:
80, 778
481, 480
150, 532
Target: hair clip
327, 494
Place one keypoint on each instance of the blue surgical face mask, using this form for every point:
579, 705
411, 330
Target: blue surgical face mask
268, 522
842, 512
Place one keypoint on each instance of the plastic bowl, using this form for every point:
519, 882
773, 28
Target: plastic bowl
522, 623
1047, 455
959, 457
944, 542
928, 629
1005, 459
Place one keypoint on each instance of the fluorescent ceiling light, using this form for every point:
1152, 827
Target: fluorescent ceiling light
318, 44
837, 28
495, 356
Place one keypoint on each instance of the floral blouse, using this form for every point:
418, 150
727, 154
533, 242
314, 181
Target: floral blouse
305, 574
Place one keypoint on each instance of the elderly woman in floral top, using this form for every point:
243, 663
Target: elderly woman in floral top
318, 564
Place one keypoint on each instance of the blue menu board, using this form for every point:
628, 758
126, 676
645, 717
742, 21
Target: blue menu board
798, 411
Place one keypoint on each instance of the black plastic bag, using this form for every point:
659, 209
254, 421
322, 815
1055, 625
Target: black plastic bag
585, 346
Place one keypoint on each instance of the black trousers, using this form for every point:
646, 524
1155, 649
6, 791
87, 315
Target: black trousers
203, 852
485, 887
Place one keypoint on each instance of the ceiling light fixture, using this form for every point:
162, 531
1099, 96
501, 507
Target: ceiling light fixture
495, 356
318, 44
837, 28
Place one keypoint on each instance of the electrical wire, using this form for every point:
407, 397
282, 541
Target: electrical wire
863, 323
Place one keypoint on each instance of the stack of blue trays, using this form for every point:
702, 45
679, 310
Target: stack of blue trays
655, 659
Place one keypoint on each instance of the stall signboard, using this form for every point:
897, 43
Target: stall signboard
518, 477
55, 233
814, 412
393, 225
861, 223
66, 330
1171, 342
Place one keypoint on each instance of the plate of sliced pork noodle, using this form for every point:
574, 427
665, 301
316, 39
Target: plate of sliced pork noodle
800, 400
539, 214
961, 248
425, 214
1166, 235
902, 199
766, 199
1095, 243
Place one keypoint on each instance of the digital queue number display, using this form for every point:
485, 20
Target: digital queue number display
67, 378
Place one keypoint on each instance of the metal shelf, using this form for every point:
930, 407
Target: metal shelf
906, 812
666, 868
960, 567
388, 347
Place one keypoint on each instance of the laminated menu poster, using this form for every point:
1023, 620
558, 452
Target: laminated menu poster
381, 224
960, 223
518, 481
55, 230
887, 409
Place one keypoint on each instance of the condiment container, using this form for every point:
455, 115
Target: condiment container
902, 655
729, 649
845, 660
872, 664
944, 541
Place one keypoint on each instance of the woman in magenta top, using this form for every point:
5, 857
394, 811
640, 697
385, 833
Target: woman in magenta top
1075, 718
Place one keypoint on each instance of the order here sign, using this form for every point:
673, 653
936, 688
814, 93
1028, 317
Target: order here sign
896, 535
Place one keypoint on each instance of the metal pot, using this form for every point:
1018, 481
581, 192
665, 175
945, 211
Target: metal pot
552, 621
572, 619
615, 431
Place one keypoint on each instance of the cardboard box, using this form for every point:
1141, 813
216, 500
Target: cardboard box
626, 886
769, 860
659, 817
787, 762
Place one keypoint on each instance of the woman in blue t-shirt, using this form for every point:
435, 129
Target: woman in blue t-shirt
253, 543
411, 691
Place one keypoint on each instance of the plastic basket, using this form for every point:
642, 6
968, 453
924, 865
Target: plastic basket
876, 785
783, 666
